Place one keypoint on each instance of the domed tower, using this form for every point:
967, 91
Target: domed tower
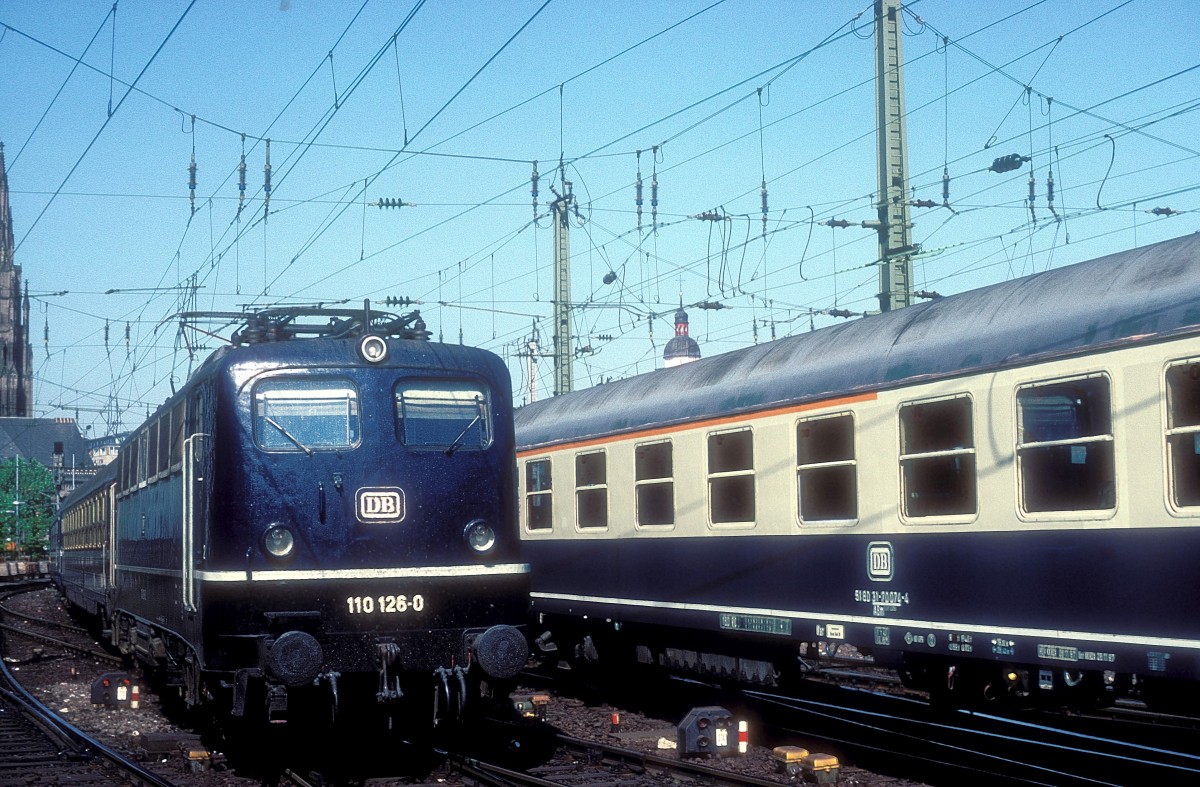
682, 348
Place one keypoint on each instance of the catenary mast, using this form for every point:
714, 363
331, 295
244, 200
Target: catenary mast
895, 242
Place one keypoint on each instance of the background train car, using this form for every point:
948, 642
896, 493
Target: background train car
323, 518
996, 493
80, 543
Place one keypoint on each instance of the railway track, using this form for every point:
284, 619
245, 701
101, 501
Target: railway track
26, 626
885, 734
946, 746
872, 723
598, 760
75, 649
39, 748
577, 763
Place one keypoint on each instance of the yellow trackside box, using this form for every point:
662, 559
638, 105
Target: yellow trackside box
821, 769
789, 760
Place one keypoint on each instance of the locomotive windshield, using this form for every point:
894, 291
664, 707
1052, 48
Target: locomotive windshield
306, 414
451, 416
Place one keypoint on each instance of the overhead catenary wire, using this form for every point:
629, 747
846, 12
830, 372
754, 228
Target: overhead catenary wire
465, 266
112, 14
104, 125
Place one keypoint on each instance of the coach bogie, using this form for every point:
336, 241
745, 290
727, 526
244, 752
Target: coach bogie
976, 684
1180, 697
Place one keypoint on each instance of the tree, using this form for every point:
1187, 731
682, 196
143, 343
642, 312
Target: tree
27, 504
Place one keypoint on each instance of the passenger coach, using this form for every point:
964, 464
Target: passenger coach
997, 493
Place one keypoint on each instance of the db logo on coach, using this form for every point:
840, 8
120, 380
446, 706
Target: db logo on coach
380, 504
880, 561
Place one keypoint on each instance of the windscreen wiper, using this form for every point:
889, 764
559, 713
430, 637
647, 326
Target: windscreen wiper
291, 437
458, 441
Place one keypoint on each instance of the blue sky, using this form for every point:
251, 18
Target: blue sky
712, 97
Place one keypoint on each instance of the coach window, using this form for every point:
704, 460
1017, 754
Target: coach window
654, 484
306, 414
937, 457
164, 442
123, 469
195, 414
731, 477
450, 416
141, 457
539, 499
826, 471
1065, 446
591, 489
1183, 431
151, 448
129, 469
177, 430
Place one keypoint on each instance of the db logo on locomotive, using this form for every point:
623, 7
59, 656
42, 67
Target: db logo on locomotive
379, 504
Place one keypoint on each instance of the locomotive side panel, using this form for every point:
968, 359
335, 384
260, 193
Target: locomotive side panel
153, 562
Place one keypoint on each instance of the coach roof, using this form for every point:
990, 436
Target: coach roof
1143, 294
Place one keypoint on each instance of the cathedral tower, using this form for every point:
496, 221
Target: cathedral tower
16, 352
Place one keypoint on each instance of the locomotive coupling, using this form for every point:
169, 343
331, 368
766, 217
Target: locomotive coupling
501, 651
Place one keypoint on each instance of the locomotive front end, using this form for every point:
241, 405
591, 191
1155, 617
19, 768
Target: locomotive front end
359, 546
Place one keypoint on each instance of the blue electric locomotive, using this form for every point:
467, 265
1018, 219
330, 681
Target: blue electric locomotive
322, 517
996, 493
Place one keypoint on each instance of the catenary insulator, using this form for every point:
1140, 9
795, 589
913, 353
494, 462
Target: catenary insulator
242, 183
1008, 163
192, 182
533, 190
1032, 197
764, 208
267, 182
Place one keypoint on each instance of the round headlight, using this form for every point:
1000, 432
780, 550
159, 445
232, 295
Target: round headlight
480, 536
373, 349
278, 541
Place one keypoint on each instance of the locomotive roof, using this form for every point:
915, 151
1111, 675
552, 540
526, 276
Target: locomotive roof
315, 352
1143, 294
408, 353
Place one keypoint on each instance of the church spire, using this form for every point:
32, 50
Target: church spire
16, 376
7, 245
